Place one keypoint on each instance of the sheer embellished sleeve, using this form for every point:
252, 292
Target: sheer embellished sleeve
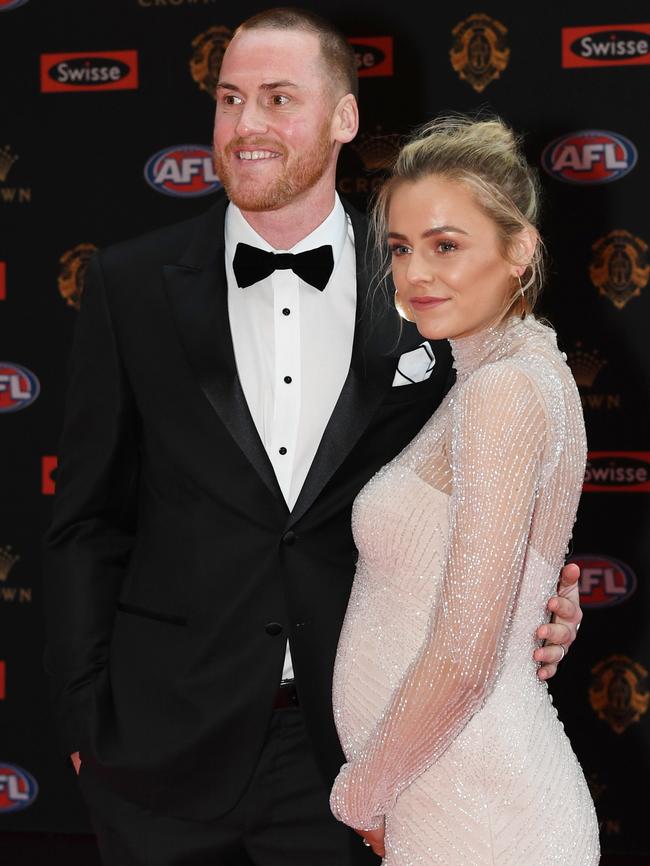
497, 442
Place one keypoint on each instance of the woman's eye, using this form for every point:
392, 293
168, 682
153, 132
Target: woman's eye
399, 250
232, 99
446, 246
279, 99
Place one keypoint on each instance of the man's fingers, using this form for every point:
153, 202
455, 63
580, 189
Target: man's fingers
563, 608
555, 633
546, 672
570, 575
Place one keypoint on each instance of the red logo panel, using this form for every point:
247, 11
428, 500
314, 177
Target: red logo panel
606, 45
374, 54
617, 472
48, 466
84, 70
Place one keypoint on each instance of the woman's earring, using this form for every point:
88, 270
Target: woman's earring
521, 288
401, 308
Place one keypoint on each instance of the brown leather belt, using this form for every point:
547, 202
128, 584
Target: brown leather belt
286, 696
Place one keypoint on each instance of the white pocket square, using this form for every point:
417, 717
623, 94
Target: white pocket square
414, 366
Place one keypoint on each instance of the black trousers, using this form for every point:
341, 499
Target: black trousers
283, 819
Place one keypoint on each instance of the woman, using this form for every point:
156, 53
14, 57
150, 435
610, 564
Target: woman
450, 736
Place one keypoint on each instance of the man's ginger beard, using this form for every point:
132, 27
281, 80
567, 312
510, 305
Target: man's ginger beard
300, 173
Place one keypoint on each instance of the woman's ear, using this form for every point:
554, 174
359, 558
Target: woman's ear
522, 249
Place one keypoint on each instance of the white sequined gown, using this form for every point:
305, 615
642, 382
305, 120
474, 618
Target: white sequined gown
446, 728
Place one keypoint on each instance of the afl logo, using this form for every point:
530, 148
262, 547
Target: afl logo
185, 171
604, 581
589, 156
18, 788
18, 387
5, 5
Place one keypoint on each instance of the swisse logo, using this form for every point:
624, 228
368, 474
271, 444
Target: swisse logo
373, 54
184, 170
18, 387
606, 45
589, 156
72, 72
5, 5
617, 472
604, 581
18, 788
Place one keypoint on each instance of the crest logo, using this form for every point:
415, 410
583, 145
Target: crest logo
606, 45
619, 268
5, 5
18, 788
585, 365
376, 151
604, 581
7, 159
479, 53
7, 562
184, 171
618, 693
205, 63
8, 593
73, 273
589, 156
108, 70
18, 387
374, 55
617, 472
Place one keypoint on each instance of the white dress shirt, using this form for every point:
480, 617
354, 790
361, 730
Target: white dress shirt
293, 345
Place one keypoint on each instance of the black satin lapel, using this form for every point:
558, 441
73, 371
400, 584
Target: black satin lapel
199, 300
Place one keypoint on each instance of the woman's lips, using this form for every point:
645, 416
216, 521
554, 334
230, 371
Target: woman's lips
426, 303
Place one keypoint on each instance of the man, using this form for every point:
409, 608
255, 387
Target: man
221, 417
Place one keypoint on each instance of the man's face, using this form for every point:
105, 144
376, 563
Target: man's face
273, 137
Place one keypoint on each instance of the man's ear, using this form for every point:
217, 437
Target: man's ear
345, 120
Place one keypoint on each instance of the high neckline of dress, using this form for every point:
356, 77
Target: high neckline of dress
489, 344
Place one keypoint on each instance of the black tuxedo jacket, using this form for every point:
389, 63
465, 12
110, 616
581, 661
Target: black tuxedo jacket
175, 572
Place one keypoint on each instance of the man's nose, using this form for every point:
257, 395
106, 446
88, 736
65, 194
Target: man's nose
251, 120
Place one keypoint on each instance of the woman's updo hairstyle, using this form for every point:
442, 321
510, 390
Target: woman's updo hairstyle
486, 156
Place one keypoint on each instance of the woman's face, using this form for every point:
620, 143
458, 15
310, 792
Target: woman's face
446, 259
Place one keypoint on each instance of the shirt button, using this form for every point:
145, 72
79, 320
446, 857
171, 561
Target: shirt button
288, 380
282, 450
286, 311
273, 628
289, 537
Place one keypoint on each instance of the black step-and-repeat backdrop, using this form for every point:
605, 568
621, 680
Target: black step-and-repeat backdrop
105, 127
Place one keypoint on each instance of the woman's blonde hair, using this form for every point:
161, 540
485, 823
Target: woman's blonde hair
486, 156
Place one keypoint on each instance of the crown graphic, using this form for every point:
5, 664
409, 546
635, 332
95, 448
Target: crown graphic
585, 365
7, 159
7, 561
377, 151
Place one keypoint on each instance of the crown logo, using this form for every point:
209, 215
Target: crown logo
7, 159
585, 365
376, 151
7, 561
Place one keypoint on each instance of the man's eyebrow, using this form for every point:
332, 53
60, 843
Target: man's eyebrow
272, 85
436, 230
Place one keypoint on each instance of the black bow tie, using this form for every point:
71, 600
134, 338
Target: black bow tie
313, 266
